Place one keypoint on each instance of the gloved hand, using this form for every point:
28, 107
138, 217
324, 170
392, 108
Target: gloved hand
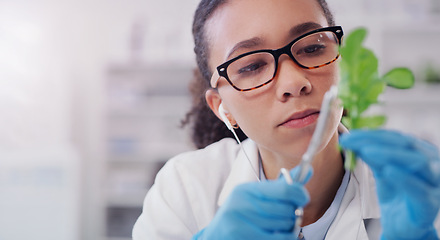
258, 210
407, 173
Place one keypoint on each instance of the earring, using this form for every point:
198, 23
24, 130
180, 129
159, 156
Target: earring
234, 124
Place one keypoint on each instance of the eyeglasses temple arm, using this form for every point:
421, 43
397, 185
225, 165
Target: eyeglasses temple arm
214, 79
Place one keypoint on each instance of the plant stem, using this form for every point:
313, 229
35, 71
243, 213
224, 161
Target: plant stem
350, 160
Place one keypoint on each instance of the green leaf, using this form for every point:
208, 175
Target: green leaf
352, 43
347, 122
355, 38
401, 78
368, 67
350, 160
361, 85
373, 91
367, 96
371, 121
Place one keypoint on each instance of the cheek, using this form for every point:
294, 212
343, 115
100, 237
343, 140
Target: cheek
248, 115
240, 108
328, 74
248, 110
332, 75
335, 74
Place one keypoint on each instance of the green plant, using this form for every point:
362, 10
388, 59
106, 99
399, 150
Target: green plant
361, 85
431, 74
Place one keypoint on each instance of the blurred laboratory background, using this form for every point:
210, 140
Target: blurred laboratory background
92, 94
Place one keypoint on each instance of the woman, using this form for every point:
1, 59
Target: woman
274, 97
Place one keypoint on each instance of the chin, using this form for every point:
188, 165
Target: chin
296, 148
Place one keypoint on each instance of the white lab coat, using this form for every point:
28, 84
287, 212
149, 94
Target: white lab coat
190, 188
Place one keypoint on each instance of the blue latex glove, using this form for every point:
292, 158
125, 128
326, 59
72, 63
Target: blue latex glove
407, 173
258, 210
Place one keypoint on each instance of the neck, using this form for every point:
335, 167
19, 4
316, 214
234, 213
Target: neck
328, 171
327, 176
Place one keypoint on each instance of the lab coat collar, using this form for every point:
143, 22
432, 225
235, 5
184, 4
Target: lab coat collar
358, 205
367, 191
241, 171
363, 177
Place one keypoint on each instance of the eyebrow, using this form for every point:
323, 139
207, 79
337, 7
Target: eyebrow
303, 28
246, 44
293, 32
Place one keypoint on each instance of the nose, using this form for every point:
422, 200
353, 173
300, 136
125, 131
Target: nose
291, 80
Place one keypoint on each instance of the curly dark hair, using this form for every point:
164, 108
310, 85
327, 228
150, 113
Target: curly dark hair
206, 128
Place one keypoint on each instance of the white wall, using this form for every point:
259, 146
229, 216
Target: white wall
53, 65
54, 58
401, 33
39, 179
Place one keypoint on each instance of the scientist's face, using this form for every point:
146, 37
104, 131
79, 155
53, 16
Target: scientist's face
281, 116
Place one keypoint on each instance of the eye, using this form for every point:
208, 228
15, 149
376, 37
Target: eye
314, 49
253, 67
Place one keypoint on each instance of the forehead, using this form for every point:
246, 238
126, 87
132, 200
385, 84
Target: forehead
240, 20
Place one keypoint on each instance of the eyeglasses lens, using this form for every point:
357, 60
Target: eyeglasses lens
316, 50
312, 51
252, 70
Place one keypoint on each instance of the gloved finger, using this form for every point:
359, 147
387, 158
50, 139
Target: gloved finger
248, 231
401, 148
356, 139
410, 183
252, 232
386, 189
258, 235
295, 195
283, 236
423, 200
268, 215
294, 174
264, 205
267, 224
378, 157
393, 139
429, 149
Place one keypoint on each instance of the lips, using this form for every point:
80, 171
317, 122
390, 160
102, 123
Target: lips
301, 119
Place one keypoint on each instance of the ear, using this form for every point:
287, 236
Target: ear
214, 100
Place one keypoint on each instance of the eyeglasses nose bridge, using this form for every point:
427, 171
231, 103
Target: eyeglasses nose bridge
285, 50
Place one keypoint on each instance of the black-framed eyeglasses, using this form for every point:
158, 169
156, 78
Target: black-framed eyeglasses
255, 69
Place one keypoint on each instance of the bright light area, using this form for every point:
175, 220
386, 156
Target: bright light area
91, 91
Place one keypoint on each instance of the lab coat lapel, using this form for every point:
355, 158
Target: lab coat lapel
358, 204
241, 171
348, 222
367, 191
